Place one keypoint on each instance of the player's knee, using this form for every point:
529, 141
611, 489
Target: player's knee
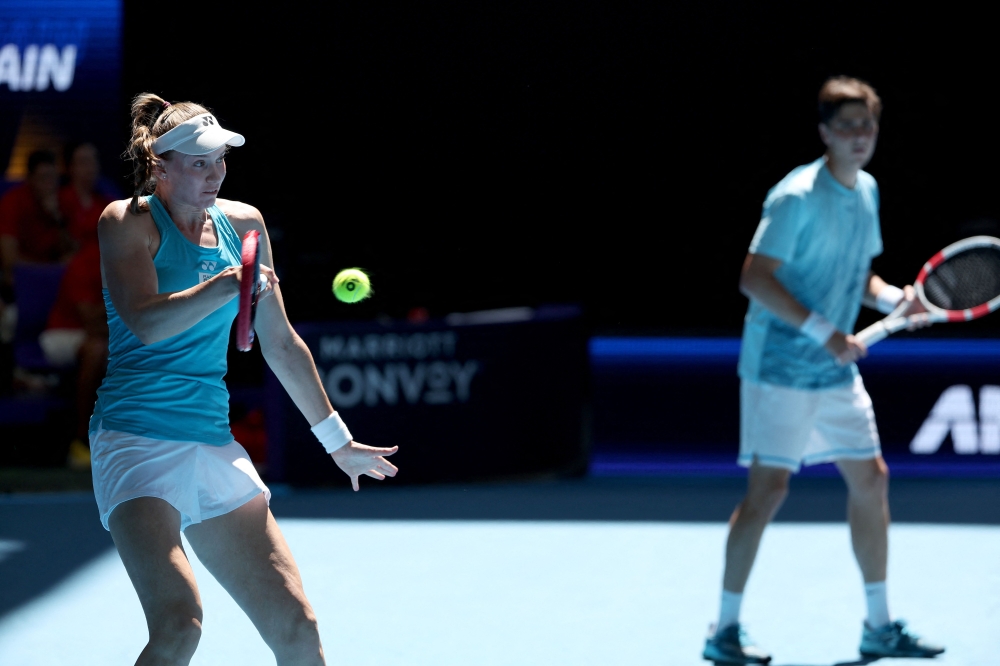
175, 633
876, 481
297, 639
882, 476
773, 496
767, 494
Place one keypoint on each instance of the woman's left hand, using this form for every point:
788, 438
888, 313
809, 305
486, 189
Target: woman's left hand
357, 459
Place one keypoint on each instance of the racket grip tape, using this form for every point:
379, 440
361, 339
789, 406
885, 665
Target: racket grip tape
874, 333
882, 329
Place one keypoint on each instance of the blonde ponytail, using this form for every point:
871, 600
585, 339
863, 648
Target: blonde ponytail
152, 117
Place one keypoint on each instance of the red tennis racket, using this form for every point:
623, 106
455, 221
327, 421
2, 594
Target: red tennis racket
959, 283
249, 291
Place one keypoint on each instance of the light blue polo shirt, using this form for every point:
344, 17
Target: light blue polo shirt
825, 236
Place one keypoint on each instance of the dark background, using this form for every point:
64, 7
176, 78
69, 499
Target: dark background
477, 155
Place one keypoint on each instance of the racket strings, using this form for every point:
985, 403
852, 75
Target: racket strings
965, 280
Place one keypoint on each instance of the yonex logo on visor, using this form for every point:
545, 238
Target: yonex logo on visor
197, 136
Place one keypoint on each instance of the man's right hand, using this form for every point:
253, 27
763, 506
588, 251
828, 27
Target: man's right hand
845, 348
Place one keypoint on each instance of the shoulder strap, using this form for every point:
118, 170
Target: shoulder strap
160, 216
224, 228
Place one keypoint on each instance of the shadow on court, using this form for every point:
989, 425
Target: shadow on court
44, 538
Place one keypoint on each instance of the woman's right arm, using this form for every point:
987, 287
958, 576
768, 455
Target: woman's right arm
129, 274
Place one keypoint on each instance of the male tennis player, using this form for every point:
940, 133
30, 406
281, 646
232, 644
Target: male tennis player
801, 398
163, 457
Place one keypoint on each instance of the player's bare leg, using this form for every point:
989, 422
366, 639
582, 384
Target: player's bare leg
767, 488
247, 554
147, 533
868, 514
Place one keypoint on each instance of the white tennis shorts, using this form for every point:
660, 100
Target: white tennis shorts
788, 427
199, 480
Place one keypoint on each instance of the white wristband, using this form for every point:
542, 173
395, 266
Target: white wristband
817, 327
887, 299
332, 433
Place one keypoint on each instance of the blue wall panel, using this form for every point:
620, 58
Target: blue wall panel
60, 78
680, 397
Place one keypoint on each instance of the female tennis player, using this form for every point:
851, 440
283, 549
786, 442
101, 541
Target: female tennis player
164, 459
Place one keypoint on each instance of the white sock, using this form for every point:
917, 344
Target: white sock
729, 609
878, 605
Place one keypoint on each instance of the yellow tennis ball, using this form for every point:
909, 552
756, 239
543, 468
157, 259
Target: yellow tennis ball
351, 285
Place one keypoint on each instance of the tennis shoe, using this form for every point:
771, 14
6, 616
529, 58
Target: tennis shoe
894, 640
733, 646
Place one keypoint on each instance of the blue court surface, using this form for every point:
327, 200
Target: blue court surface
569, 572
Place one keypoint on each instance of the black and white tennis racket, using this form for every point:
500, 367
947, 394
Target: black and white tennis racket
249, 291
959, 283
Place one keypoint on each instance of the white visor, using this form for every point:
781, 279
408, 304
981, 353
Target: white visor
197, 136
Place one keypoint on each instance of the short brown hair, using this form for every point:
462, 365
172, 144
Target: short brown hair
840, 90
152, 117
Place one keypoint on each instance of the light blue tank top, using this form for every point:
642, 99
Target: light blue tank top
173, 389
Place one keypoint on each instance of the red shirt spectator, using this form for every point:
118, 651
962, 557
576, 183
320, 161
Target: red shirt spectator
31, 228
82, 216
80, 203
77, 333
39, 233
81, 285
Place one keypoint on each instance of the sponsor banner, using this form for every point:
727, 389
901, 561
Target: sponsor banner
462, 401
60, 78
937, 401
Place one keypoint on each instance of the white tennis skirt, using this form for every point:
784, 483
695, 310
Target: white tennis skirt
787, 427
199, 480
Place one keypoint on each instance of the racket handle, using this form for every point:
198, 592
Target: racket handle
882, 329
874, 333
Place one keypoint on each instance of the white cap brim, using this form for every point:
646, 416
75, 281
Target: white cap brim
197, 136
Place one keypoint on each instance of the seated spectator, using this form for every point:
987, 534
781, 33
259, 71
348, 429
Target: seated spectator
79, 200
77, 333
31, 225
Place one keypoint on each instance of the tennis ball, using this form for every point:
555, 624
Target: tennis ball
351, 285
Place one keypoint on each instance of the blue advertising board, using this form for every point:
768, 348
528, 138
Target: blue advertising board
937, 402
60, 78
463, 398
